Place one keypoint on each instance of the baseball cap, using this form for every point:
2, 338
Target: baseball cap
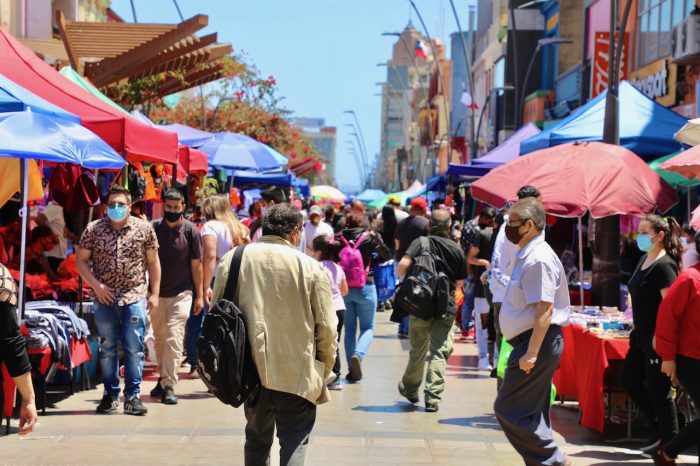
419, 203
315, 210
394, 200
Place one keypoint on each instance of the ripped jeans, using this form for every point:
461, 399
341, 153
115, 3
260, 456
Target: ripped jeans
126, 325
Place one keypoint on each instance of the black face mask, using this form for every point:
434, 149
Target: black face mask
172, 217
513, 234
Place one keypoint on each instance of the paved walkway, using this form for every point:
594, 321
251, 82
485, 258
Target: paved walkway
367, 423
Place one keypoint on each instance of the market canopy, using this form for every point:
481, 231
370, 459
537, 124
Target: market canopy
111, 52
242, 179
369, 195
578, 177
15, 98
239, 152
70, 74
689, 134
188, 135
126, 135
646, 127
674, 179
325, 192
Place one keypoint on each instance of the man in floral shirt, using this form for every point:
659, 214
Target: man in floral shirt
122, 249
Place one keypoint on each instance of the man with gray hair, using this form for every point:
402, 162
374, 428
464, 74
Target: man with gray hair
285, 297
535, 307
435, 333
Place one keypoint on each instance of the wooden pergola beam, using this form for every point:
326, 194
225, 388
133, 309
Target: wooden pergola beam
72, 56
173, 85
188, 61
162, 62
112, 69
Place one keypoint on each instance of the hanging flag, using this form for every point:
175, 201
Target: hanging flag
420, 50
467, 100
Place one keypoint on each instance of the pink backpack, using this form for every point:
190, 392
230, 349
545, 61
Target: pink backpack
351, 262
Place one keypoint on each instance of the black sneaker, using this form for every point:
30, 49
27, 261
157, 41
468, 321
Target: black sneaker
356, 367
431, 408
107, 405
157, 391
135, 407
403, 393
168, 397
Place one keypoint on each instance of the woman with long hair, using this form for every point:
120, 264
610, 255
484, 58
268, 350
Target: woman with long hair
388, 230
361, 300
641, 375
221, 232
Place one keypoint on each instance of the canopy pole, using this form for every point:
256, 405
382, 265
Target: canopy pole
92, 208
688, 199
24, 213
580, 259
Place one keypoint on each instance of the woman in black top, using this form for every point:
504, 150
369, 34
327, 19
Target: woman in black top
361, 302
641, 375
13, 352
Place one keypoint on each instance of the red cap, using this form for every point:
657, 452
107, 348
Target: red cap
419, 202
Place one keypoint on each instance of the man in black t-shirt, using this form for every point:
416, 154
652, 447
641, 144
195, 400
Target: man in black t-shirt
407, 231
480, 260
435, 333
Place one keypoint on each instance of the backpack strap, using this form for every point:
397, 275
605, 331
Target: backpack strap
345, 241
233, 271
359, 240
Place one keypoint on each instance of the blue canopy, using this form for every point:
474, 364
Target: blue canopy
646, 127
15, 98
369, 195
29, 135
243, 178
235, 151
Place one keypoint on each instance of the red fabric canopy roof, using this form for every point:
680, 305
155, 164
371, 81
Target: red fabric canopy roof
125, 134
193, 160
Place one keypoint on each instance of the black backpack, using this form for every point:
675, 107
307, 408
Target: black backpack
224, 360
424, 293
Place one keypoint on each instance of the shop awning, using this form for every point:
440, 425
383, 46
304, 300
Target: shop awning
646, 127
137, 141
243, 179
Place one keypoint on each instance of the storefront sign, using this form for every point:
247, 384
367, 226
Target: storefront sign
601, 53
657, 80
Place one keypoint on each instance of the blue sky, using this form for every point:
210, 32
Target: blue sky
323, 53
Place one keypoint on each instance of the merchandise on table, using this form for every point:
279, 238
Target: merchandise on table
607, 322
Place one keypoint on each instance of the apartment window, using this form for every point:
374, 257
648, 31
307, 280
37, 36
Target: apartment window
655, 22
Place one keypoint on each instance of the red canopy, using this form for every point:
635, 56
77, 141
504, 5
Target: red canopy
193, 160
125, 134
579, 177
687, 163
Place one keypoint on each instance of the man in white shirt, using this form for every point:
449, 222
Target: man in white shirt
398, 212
535, 307
314, 227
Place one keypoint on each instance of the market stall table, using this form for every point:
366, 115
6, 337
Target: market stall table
584, 363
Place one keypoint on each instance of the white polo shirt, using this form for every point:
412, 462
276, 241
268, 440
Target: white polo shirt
538, 275
502, 263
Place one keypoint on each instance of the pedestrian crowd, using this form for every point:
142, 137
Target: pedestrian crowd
312, 279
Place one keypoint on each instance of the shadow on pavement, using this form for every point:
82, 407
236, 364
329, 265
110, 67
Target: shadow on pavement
487, 421
610, 457
397, 407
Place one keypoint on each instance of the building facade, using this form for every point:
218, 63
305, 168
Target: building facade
324, 140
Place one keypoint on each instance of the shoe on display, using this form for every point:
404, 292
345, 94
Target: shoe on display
157, 391
431, 408
356, 367
107, 405
484, 365
335, 385
134, 406
402, 391
168, 397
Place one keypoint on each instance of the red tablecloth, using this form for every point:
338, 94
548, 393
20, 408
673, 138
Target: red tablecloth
80, 353
582, 368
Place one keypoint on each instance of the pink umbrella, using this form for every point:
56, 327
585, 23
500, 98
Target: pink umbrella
687, 163
579, 177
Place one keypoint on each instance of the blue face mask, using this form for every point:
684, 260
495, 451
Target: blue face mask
644, 243
117, 213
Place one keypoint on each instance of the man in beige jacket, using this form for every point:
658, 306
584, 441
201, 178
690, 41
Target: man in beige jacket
285, 296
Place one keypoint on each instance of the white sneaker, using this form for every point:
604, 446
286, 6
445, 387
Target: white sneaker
484, 365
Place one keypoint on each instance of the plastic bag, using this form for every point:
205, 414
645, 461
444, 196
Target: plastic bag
503, 356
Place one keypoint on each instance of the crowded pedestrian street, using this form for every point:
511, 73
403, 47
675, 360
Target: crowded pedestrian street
367, 423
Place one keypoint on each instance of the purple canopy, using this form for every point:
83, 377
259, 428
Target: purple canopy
499, 155
186, 135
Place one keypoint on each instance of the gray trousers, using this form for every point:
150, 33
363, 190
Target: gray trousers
522, 403
294, 417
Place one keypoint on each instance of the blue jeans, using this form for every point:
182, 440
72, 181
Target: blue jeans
126, 325
468, 306
193, 328
403, 326
360, 305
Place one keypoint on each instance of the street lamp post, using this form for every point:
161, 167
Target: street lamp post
359, 143
540, 44
486, 102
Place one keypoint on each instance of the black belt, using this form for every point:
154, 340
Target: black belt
516, 340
